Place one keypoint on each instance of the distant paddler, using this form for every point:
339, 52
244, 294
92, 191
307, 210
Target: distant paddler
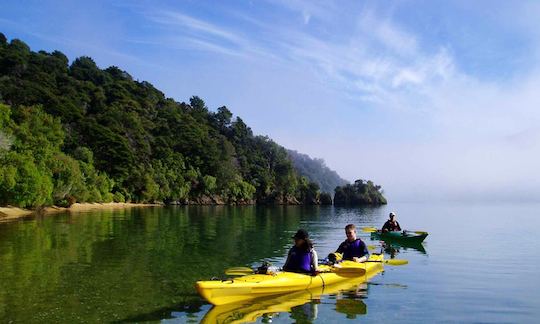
391, 224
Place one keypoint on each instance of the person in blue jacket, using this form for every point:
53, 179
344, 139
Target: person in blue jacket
353, 248
302, 256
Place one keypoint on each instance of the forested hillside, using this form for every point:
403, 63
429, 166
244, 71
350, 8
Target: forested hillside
316, 171
77, 133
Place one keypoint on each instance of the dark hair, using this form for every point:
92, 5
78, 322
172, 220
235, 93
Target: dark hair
350, 227
307, 246
302, 234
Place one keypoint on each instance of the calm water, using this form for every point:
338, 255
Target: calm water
479, 264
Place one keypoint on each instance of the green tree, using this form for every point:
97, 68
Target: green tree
23, 183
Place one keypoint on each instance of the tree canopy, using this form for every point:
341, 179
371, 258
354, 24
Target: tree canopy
362, 192
78, 133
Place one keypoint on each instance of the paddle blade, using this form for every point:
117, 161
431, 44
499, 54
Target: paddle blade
396, 262
349, 267
392, 262
373, 247
416, 232
239, 271
350, 270
369, 229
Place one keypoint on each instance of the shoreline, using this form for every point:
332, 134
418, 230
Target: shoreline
13, 213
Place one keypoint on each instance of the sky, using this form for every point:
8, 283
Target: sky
433, 100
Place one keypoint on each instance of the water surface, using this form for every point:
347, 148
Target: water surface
477, 265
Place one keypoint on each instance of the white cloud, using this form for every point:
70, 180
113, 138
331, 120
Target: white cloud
174, 18
322, 10
407, 76
306, 17
383, 31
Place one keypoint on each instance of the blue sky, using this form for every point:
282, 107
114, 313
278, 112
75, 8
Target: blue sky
430, 99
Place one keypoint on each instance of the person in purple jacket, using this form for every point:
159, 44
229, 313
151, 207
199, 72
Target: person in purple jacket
353, 248
302, 257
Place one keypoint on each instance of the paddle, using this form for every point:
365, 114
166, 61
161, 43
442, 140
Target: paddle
369, 229
393, 262
373, 229
244, 271
348, 267
239, 271
417, 232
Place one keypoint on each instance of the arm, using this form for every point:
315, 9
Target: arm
341, 248
385, 227
285, 266
361, 259
314, 260
398, 227
365, 253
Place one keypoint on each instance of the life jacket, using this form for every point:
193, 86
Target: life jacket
299, 260
353, 249
392, 226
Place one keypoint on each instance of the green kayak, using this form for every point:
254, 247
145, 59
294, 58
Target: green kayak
404, 237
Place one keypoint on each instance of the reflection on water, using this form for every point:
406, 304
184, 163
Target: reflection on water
300, 306
141, 264
393, 249
120, 264
351, 307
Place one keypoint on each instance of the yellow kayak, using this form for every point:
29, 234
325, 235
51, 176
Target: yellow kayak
243, 313
235, 290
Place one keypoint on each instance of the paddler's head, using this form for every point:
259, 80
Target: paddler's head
392, 216
300, 237
350, 231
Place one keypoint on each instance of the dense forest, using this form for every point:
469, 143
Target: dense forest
77, 133
316, 171
362, 192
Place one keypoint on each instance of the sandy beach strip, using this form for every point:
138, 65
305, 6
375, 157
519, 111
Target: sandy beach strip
10, 213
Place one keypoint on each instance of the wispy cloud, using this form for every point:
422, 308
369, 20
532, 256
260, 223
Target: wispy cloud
382, 30
368, 62
321, 10
200, 27
186, 31
204, 45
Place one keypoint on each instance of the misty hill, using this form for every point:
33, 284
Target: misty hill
316, 171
